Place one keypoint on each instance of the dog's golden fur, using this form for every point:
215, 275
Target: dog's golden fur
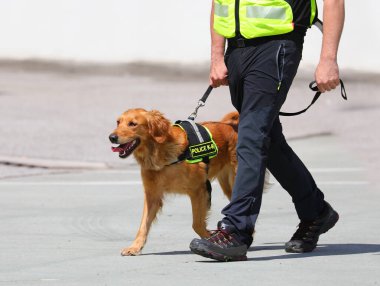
160, 144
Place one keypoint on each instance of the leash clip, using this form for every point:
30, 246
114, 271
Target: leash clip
195, 113
201, 103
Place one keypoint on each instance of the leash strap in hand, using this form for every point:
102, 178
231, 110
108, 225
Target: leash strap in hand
313, 86
201, 103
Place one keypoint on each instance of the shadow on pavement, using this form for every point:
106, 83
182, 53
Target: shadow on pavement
322, 250
170, 253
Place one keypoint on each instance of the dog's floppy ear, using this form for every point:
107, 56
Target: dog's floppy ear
158, 126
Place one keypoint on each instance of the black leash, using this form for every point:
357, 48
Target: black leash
201, 103
192, 117
313, 86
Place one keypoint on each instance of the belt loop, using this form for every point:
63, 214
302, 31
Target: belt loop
240, 43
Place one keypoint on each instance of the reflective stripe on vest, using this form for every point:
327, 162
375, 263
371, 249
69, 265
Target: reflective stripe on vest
257, 18
224, 17
221, 10
266, 12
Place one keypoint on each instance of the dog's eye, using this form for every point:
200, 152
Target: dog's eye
118, 122
132, 124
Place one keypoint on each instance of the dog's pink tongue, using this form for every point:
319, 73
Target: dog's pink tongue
117, 149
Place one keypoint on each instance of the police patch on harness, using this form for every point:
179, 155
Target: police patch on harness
204, 149
201, 146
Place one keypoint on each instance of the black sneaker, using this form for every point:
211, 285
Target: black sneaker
222, 245
306, 237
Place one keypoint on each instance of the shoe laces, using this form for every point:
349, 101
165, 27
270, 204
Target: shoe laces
221, 238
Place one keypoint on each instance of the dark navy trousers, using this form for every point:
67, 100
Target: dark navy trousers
259, 79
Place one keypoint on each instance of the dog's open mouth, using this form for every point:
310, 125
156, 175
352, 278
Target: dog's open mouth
126, 149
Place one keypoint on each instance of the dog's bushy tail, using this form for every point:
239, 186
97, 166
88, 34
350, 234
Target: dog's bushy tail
231, 118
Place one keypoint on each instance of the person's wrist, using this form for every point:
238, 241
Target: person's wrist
328, 58
217, 62
217, 57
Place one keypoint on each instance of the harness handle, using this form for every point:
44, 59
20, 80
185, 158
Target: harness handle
201, 103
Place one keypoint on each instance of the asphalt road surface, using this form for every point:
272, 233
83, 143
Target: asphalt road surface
68, 205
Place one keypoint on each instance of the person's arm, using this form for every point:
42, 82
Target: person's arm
327, 72
218, 69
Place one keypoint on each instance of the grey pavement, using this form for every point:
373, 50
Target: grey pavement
68, 205
68, 229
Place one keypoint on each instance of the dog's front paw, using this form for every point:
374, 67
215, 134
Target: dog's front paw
131, 251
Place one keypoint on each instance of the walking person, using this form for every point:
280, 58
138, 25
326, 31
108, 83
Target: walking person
265, 40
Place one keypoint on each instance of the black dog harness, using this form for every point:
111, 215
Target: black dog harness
201, 146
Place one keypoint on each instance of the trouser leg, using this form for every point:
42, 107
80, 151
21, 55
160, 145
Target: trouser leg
293, 176
259, 79
252, 149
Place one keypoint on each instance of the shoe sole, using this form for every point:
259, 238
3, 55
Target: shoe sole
329, 224
217, 256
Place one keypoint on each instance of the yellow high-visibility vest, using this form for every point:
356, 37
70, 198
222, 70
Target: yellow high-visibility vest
259, 18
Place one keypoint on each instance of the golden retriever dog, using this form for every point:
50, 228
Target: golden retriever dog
156, 144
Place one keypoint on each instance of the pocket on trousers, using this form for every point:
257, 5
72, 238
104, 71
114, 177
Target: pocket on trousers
280, 59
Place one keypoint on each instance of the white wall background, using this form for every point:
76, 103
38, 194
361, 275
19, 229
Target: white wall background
160, 31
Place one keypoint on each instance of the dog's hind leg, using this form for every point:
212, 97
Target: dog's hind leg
151, 207
226, 180
200, 206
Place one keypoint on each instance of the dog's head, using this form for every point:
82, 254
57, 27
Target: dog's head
138, 127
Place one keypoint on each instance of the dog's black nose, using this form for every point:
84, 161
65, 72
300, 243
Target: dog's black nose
113, 138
